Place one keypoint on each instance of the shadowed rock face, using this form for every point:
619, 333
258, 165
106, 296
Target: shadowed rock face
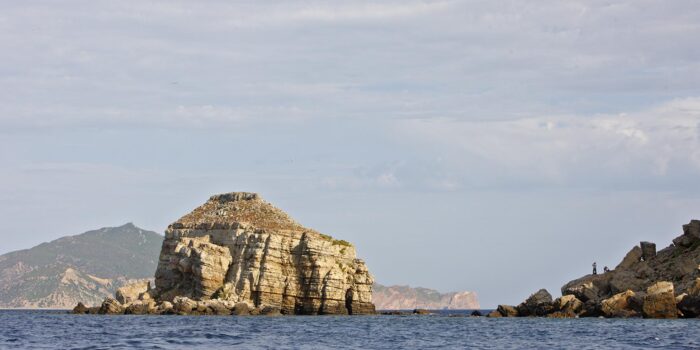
239, 248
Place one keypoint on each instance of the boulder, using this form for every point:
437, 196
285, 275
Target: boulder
538, 304
691, 235
583, 291
660, 301
632, 257
184, 305
689, 306
568, 304
648, 250
217, 307
80, 309
476, 313
270, 311
561, 314
111, 306
624, 280
241, 309
165, 308
140, 307
494, 314
507, 311
591, 308
617, 305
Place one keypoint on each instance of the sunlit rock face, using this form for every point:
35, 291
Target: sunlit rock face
239, 248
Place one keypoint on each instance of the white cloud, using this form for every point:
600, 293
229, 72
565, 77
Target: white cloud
663, 140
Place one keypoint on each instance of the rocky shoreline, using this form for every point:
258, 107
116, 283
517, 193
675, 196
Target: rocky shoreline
645, 284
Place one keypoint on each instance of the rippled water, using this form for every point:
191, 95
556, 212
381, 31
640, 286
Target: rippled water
58, 330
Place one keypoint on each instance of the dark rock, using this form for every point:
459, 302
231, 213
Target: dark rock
507, 311
583, 289
494, 314
632, 258
690, 306
476, 313
538, 304
636, 302
80, 309
394, 313
138, 308
421, 312
648, 250
241, 309
591, 308
271, 311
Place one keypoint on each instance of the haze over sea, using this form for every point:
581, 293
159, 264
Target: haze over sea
59, 330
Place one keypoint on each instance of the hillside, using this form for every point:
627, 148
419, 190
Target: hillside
85, 267
406, 298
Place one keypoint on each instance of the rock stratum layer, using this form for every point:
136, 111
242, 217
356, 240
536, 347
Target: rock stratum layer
646, 283
407, 298
238, 251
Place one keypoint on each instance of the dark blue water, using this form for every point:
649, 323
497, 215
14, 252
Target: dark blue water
58, 330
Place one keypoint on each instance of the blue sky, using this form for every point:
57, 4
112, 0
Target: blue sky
499, 147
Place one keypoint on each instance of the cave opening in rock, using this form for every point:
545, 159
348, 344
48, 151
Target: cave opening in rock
348, 301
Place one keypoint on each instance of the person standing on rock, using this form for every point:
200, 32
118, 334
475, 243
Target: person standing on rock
595, 271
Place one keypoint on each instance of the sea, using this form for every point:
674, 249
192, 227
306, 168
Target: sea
43, 329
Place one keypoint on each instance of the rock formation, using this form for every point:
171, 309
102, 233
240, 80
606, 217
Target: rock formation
646, 283
238, 252
407, 298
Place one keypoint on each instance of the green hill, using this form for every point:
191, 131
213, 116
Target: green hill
85, 267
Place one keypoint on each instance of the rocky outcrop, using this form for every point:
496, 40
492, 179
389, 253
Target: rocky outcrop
660, 301
239, 254
618, 305
408, 298
663, 284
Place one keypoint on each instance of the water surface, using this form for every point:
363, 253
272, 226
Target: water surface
59, 330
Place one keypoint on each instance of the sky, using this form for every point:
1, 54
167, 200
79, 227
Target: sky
492, 146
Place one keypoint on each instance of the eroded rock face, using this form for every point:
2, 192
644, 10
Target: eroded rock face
236, 247
618, 305
660, 301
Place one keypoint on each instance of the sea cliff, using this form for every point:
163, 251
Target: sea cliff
236, 254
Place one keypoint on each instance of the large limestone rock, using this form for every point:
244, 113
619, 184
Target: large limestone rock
660, 301
618, 305
239, 248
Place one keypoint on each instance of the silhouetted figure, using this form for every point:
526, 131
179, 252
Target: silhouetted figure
606, 269
595, 271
